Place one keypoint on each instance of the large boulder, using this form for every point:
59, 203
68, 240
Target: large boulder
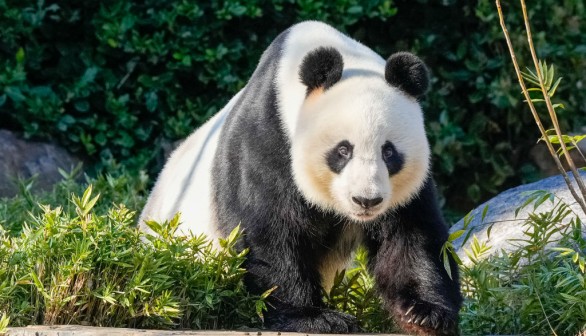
506, 228
24, 159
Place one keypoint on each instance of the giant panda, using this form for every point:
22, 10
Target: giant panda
323, 150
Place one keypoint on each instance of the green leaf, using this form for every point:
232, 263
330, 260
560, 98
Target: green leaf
550, 74
81, 105
14, 93
20, 56
89, 75
484, 212
447, 265
455, 235
4, 322
152, 101
555, 87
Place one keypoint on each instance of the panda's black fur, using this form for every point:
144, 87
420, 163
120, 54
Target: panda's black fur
287, 236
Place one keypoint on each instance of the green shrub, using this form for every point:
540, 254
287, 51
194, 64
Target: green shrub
353, 292
117, 186
534, 290
87, 266
539, 287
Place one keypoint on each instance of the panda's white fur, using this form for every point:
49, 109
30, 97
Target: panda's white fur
374, 113
184, 185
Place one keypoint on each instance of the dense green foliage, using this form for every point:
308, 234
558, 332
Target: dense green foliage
123, 79
86, 264
113, 78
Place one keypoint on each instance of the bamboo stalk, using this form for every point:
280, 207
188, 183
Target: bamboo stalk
534, 111
550, 108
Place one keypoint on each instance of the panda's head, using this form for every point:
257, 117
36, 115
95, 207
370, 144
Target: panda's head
359, 147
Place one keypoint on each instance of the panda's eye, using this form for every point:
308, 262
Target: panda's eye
392, 158
388, 153
339, 155
344, 151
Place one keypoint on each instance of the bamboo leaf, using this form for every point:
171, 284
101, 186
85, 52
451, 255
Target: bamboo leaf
86, 196
447, 263
455, 235
543, 72
555, 87
530, 77
550, 75
558, 105
484, 212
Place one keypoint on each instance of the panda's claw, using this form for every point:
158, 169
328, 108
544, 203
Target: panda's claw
426, 318
415, 319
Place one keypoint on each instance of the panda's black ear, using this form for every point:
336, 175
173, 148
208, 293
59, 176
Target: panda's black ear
321, 68
408, 73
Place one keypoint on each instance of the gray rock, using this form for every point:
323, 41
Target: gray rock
24, 159
506, 228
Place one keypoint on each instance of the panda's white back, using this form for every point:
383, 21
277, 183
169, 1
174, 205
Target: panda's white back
184, 184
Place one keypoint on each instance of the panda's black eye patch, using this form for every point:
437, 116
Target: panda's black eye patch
392, 158
339, 156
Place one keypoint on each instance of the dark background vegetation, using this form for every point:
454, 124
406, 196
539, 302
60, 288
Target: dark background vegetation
122, 79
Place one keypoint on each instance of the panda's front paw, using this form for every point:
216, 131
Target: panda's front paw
424, 318
313, 320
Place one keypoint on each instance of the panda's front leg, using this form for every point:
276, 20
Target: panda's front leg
296, 304
404, 252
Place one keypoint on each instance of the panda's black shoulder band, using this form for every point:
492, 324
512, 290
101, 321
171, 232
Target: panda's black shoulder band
408, 73
321, 67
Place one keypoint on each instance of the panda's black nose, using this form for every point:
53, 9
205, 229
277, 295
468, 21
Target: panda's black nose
367, 202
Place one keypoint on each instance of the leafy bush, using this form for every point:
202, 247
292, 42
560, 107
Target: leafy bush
92, 268
113, 78
539, 287
117, 186
534, 290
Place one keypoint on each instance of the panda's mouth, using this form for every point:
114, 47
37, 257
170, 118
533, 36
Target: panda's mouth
365, 216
